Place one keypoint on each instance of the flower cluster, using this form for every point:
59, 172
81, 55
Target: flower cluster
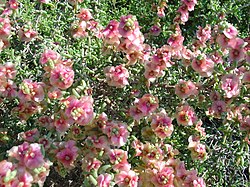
26, 165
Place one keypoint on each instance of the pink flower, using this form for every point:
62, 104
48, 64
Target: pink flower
62, 77
185, 89
126, 179
199, 183
129, 27
25, 109
217, 108
230, 31
13, 4
151, 154
68, 155
54, 93
236, 52
80, 111
7, 169
84, 15
61, 123
147, 104
8, 89
33, 157
152, 71
163, 175
8, 70
217, 58
104, 180
89, 163
78, 29
204, 66
160, 12
99, 142
30, 135
111, 30
162, 124
155, 30
23, 178
190, 4
230, 84
117, 133
176, 40
135, 113
5, 28
185, 115
222, 40
119, 157
45, 121
26, 34
44, 1
31, 91
49, 55
198, 150
204, 34
116, 76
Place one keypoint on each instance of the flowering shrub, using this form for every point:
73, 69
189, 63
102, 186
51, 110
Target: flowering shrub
151, 95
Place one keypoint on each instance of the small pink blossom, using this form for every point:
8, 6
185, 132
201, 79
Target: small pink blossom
8, 89
155, 30
190, 4
117, 133
62, 76
78, 29
222, 40
26, 34
119, 157
111, 30
68, 154
231, 85
104, 180
163, 176
116, 76
126, 179
185, 115
128, 27
245, 124
198, 150
204, 34
80, 110
61, 123
217, 108
49, 55
214, 96
230, 31
30, 135
84, 15
8, 70
185, 89
246, 77
135, 113
204, 66
147, 104
31, 91
199, 182
162, 124
34, 157
5, 28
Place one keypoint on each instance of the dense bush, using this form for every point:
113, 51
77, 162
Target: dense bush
125, 93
